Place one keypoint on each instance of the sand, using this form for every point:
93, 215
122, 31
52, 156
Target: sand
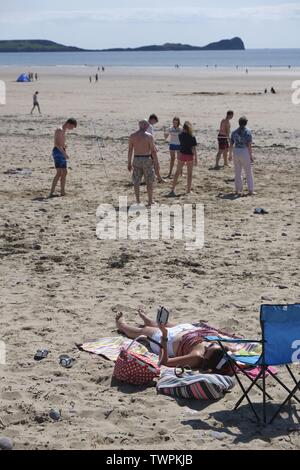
57, 287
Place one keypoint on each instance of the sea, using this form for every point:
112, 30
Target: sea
248, 58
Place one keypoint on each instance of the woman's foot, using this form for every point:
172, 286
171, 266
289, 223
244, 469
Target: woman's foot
251, 194
172, 194
119, 320
146, 320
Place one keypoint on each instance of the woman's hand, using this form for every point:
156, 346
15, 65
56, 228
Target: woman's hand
163, 330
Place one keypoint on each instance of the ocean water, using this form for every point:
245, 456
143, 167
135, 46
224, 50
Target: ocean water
248, 58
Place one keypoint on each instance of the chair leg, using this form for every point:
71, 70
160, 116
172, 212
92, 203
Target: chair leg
244, 392
264, 395
285, 387
253, 382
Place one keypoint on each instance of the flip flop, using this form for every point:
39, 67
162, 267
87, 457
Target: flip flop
260, 210
66, 361
41, 354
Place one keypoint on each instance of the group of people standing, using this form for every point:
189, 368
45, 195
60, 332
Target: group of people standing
143, 160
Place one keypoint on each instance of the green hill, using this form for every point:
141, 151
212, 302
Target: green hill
35, 45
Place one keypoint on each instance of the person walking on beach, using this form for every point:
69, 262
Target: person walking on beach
60, 156
223, 140
141, 145
241, 152
173, 133
153, 119
36, 103
188, 155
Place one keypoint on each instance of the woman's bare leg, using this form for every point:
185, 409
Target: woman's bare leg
147, 321
172, 162
133, 331
177, 174
190, 166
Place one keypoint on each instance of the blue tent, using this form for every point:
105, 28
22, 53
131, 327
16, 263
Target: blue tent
23, 78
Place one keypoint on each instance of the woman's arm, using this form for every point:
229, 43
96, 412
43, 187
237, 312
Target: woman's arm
166, 132
250, 152
195, 156
190, 360
230, 151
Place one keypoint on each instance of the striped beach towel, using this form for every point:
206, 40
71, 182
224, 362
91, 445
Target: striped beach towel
194, 386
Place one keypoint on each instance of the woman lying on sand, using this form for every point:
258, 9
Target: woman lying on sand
181, 345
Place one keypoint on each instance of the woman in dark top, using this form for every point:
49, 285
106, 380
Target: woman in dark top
188, 156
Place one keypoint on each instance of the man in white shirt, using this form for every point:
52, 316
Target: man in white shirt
153, 119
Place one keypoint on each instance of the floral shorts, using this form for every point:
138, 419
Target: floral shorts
143, 166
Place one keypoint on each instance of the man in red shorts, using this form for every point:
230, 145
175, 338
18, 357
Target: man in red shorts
223, 140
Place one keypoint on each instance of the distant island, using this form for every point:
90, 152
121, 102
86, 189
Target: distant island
235, 44
41, 45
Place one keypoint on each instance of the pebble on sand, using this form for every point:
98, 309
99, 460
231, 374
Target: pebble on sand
6, 443
55, 415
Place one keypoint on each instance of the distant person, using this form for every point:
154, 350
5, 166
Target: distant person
188, 156
142, 148
241, 152
273, 91
223, 140
36, 103
173, 133
98, 69
247, 71
153, 119
90, 79
96, 77
60, 155
36, 76
103, 69
266, 91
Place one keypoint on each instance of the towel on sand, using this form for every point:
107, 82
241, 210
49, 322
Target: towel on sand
110, 347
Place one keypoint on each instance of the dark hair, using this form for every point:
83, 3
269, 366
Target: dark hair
187, 126
230, 113
72, 121
153, 116
176, 118
243, 121
213, 361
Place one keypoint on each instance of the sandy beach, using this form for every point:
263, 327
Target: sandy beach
58, 288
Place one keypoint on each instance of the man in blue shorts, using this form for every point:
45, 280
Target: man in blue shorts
60, 156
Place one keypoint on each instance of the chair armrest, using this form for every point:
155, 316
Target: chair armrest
231, 340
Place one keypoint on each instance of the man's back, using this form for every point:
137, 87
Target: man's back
142, 143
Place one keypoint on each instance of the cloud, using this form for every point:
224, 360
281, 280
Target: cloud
182, 14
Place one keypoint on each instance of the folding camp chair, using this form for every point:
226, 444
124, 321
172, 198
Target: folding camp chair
280, 326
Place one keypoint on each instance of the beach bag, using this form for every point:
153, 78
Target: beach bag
135, 369
191, 385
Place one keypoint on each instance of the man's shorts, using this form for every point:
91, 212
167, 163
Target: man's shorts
223, 142
59, 159
143, 166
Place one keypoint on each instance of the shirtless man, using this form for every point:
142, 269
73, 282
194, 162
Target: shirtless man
145, 162
223, 139
36, 103
60, 156
180, 345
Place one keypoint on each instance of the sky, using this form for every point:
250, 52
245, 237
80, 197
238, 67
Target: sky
98, 24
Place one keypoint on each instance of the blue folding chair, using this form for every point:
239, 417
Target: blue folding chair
280, 326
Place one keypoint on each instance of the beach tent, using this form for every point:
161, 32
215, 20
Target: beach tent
23, 78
